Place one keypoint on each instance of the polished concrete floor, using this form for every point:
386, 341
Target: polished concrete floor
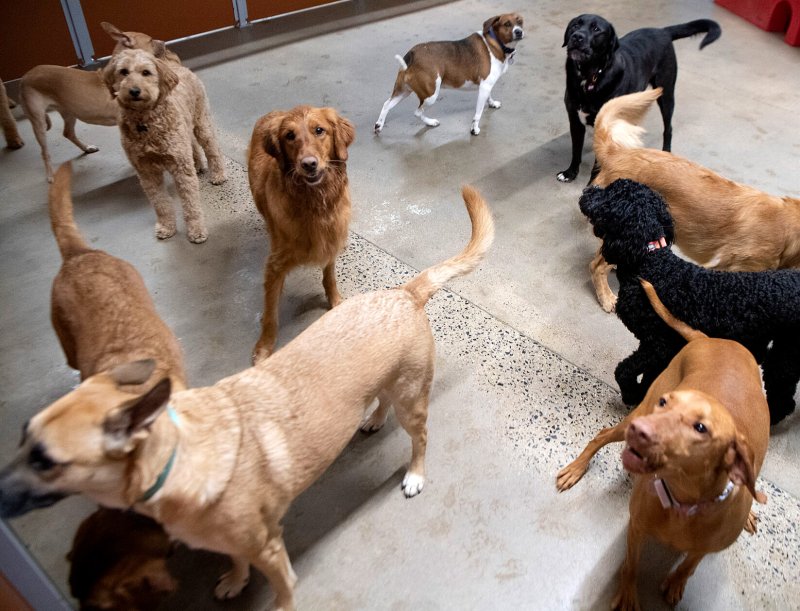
525, 356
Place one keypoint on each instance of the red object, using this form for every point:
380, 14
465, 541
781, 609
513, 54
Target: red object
769, 15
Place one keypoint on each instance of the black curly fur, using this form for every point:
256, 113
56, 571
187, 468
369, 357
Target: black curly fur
760, 310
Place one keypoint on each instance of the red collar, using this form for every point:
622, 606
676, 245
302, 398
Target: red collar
657, 244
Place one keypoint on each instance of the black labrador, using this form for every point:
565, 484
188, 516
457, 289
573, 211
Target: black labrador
601, 66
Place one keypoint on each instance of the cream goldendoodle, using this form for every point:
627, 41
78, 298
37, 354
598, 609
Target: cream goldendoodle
163, 108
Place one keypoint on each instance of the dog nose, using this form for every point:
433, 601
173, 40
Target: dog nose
518, 33
577, 37
641, 430
134, 91
309, 164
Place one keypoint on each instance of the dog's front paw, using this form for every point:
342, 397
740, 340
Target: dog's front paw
673, 587
15, 143
218, 179
91, 148
495, 103
378, 127
626, 599
608, 302
230, 585
751, 525
567, 175
570, 475
164, 232
375, 422
197, 235
412, 484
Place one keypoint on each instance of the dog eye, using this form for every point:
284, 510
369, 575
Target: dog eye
289, 136
700, 427
662, 402
507, 24
124, 72
146, 73
319, 131
595, 28
39, 460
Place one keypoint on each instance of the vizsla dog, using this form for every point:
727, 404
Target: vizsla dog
77, 94
719, 223
696, 444
298, 176
8, 122
219, 466
163, 108
478, 60
101, 310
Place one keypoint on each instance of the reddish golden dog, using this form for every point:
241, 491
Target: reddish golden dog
696, 444
298, 176
719, 223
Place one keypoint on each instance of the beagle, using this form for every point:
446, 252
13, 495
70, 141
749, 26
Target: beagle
477, 60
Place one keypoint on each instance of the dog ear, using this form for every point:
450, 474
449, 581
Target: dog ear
167, 79
158, 48
131, 422
567, 31
741, 466
489, 23
343, 133
137, 372
270, 125
614, 40
592, 198
121, 37
110, 76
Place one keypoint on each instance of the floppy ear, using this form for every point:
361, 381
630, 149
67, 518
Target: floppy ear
614, 39
137, 372
121, 37
343, 133
270, 126
741, 466
566, 32
167, 79
489, 23
130, 423
591, 199
110, 76
158, 48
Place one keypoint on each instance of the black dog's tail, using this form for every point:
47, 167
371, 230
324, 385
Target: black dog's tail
684, 30
687, 332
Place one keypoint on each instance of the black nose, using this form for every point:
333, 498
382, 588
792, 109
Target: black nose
309, 164
577, 37
134, 91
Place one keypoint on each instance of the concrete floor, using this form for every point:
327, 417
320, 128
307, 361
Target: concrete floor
525, 355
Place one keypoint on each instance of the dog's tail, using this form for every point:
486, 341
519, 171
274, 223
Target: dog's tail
69, 239
402, 61
684, 30
681, 327
617, 124
432, 279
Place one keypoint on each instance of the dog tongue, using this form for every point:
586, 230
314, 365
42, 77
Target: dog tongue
633, 462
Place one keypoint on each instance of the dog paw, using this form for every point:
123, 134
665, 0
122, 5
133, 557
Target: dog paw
751, 525
495, 103
626, 599
15, 143
230, 585
197, 236
90, 149
475, 129
260, 353
378, 128
673, 588
412, 484
218, 179
608, 303
374, 422
569, 476
164, 232
566, 176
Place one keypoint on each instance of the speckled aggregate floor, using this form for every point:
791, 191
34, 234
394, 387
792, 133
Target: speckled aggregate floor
525, 356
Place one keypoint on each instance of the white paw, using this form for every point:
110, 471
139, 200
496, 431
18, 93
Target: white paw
378, 127
412, 484
562, 178
164, 232
91, 149
475, 129
432, 122
372, 424
229, 586
495, 104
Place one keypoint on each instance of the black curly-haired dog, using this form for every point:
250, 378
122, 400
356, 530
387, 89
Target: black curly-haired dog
760, 310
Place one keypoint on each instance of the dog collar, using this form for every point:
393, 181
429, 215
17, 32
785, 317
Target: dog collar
506, 50
668, 501
162, 477
590, 82
657, 244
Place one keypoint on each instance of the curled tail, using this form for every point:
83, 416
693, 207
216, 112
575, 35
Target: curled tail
684, 30
69, 239
617, 124
681, 327
402, 62
432, 279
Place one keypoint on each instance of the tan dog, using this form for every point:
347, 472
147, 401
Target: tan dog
298, 176
118, 561
163, 108
77, 94
101, 310
7, 120
220, 466
478, 60
697, 443
719, 223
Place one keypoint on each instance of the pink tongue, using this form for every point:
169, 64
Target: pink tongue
632, 462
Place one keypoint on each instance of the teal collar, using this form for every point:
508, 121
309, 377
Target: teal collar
162, 477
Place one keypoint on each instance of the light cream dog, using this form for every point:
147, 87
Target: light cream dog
7, 120
478, 61
719, 223
219, 466
78, 94
163, 109
696, 444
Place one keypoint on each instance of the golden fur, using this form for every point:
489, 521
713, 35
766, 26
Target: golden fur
719, 223
247, 446
715, 383
100, 307
7, 120
162, 109
298, 176
77, 94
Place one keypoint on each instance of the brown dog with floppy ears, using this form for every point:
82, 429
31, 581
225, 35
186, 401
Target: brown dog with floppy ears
298, 176
218, 467
696, 444
477, 60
